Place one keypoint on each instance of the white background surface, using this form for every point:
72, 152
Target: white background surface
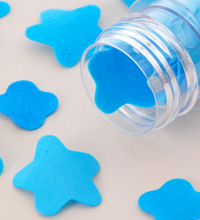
130, 165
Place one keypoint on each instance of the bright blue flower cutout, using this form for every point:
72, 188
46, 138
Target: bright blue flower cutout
27, 105
58, 175
68, 32
4, 9
175, 200
119, 81
1, 166
129, 2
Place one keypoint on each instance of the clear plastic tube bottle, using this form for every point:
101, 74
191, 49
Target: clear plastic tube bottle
162, 37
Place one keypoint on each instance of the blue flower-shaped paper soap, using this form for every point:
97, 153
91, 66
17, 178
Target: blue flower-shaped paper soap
129, 2
58, 175
119, 81
4, 9
68, 32
27, 105
175, 200
1, 166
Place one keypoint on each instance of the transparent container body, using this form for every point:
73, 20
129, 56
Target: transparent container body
162, 37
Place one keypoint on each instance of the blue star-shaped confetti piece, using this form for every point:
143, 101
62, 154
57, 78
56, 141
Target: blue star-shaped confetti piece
68, 32
58, 175
129, 2
27, 105
175, 200
1, 166
4, 9
119, 81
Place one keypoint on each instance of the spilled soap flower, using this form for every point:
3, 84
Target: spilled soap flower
69, 33
58, 175
1, 166
27, 105
4, 9
175, 200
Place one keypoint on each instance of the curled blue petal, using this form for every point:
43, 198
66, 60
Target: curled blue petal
119, 81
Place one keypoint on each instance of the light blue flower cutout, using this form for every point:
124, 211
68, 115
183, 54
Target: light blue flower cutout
27, 105
175, 200
58, 175
4, 9
1, 166
68, 32
119, 81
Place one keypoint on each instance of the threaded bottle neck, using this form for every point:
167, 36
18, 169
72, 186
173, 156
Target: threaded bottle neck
166, 64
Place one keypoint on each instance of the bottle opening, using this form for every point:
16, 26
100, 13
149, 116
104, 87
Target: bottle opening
138, 74
119, 88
